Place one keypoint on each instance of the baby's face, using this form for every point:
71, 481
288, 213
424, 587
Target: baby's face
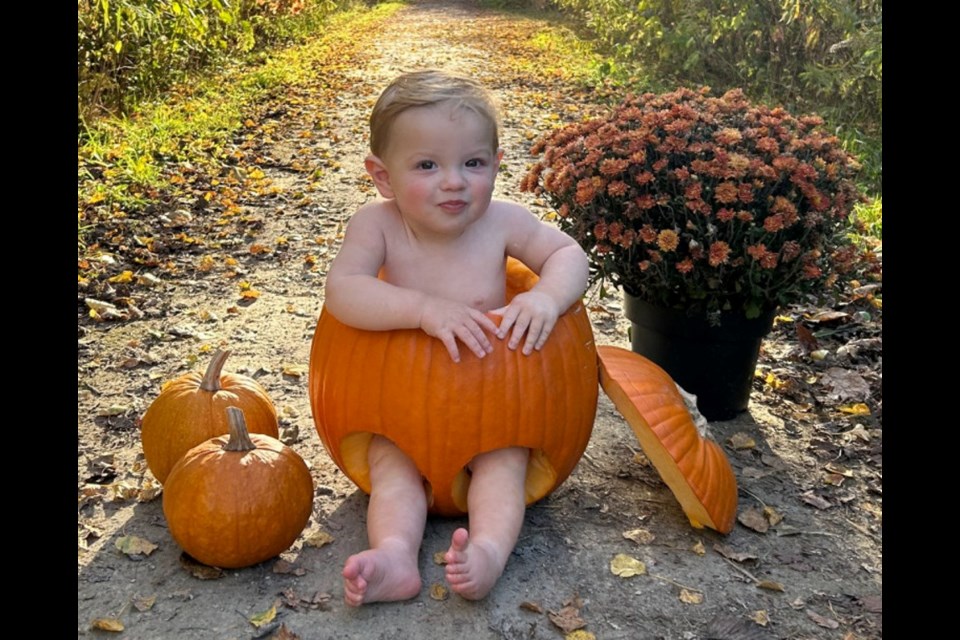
442, 167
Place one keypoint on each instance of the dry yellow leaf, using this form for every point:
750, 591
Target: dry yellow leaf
579, 634
640, 536
774, 382
257, 249
760, 617
256, 174
627, 566
252, 294
439, 592
134, 546
859, 409
440, 557
691, 597
126, 276
293, 371
773, 516
260, 619
107, 624
206, 263
741, 440
318, 539
770, 585
699, 549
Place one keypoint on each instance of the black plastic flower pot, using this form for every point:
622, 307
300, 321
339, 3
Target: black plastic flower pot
716, 363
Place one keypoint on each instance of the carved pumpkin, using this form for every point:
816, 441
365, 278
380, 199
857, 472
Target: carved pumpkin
694, 467
403, 385
235, 501
192, 409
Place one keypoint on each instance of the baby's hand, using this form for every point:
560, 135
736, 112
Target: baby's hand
532, 313
451, 321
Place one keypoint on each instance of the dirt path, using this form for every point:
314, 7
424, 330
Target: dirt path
826, 555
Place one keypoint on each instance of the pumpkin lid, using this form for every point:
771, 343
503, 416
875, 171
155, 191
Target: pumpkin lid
692, 465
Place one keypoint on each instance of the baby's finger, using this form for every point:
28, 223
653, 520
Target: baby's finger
509, 317
486, 324
521, 326
450, 342
533, 336
541, 338
470, 341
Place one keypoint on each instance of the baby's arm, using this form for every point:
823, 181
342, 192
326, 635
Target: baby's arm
563, 269
357, 297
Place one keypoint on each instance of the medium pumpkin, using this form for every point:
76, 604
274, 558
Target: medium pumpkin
403, 385
693, 466
235, 501
192, 409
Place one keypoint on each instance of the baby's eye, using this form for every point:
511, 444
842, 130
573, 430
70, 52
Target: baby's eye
474, 163
426, 164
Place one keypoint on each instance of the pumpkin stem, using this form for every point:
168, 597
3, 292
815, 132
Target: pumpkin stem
211, 379
239, 436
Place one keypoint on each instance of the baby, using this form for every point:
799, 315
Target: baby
441, 242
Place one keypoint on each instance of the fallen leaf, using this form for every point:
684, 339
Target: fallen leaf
134, 546
107, 624
857, 432
770, 585
143, 603
283, 633
439, 592
845, 384
260, 619
816, 501
858, 409
760, 617
772, 516
281, 566
567, 619
833, 467
199, 570
736, 556
580, 634
741, 440
753, 518
828, 316
149, 490
640, 536
259, 249
531, 606
627, 566
819, 354
121, 278
440, 557
699, 549
250, 294
774, 382
827, 623
834, 479
293, 371
318, 539
690, 597
808, 342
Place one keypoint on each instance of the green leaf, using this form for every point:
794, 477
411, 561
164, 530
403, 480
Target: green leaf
118, 45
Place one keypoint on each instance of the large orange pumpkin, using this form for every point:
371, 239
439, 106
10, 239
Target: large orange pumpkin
192, 409
403, 385
237, 500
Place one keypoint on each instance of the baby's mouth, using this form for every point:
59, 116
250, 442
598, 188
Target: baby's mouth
453, 205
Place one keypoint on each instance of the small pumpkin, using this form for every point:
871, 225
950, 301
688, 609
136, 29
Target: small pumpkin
192, 409
403, 385
234, 501
693, 466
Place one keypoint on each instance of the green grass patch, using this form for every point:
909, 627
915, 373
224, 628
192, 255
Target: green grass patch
121, 160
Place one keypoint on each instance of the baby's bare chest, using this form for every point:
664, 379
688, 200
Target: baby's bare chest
471, 274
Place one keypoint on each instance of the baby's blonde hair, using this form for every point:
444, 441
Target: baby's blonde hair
426, 88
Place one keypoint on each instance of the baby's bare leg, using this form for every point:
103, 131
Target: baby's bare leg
496, 504
388, 570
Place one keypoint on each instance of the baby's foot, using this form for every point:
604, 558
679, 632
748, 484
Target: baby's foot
472, 569
379, 575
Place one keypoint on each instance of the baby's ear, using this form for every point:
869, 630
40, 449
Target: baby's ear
378, 171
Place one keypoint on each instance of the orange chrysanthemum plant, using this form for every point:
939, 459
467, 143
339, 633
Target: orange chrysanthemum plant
703, 204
